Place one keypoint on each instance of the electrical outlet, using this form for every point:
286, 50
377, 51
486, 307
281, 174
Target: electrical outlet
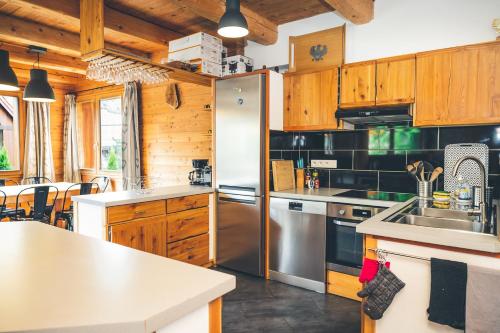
331, 164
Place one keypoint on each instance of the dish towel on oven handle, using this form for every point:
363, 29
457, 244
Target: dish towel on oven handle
380, 292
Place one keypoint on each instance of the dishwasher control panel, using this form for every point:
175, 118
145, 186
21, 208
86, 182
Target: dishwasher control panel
296, 206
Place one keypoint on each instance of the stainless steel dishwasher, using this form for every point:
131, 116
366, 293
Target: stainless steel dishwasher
297, 243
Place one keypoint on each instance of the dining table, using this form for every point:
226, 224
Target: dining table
27, 197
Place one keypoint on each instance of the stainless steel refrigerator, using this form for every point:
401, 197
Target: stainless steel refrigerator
239, 172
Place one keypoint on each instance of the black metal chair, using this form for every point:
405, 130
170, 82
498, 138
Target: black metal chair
2, 206
36, 180
41, 209
67, 214
102, 182
6, 181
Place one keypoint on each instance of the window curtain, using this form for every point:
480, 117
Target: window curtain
131, 159
38, 161
70, 145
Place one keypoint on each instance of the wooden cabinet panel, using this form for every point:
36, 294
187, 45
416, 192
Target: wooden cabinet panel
187, 223
395, 81
460, 86
311, 100
135, 211
193, 250
343, 285
433, 84
147, 234
185, 203
357, 85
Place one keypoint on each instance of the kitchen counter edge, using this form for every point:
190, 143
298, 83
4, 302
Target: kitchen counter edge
110, 199
437, 236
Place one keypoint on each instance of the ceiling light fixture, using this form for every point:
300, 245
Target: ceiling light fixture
233, 24
8, 79
38, 88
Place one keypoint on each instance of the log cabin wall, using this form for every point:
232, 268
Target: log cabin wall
62, 83
170, 139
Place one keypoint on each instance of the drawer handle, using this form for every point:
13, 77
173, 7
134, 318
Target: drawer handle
140, 212
190, 248
189, 219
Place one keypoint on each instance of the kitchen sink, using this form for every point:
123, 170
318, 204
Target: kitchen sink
441, 222
441, 213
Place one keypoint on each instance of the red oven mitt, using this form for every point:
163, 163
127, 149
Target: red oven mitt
370, 269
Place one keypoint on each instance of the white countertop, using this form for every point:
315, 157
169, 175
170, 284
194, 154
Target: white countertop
328, 195
109, 199
53, 279
439, 236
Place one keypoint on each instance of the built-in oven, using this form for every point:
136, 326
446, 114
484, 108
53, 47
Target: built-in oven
344, 247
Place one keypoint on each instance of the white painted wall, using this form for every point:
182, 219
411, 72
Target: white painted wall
399, 27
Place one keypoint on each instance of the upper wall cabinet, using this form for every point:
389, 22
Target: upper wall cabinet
458, 86
387, 81
311, 100
395, 81
357, 85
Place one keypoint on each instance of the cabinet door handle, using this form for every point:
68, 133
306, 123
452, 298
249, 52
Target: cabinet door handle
140, 212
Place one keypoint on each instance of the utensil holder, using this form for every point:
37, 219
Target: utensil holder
300, 178
424, 189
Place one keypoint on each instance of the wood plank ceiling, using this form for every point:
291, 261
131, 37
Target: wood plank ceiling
144, 27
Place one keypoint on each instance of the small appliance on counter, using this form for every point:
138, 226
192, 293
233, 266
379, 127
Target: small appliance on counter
202, 173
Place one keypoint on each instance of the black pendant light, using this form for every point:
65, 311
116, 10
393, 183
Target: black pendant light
8, 79
233, 24
38, 88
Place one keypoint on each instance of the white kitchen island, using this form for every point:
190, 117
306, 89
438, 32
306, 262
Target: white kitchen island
55, 280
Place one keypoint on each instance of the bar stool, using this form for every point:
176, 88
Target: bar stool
36, 180
102, 182
5, 181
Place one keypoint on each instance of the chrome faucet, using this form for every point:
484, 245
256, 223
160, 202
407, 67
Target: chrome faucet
482, 201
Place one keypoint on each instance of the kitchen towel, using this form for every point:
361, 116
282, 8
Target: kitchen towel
482, 310
370, 269
448, 287
380, 292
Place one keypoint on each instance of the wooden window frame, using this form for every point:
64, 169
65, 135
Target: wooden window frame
94, 96
21, 109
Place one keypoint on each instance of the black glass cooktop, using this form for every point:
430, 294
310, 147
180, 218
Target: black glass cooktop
377, 195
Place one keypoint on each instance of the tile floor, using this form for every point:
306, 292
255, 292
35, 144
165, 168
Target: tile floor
258, 305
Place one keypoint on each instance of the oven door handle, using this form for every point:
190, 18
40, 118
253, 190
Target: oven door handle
345, 224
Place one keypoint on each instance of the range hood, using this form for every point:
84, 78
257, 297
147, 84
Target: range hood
376, 115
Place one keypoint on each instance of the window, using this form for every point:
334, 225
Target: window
99, 131
111, 133
9, 133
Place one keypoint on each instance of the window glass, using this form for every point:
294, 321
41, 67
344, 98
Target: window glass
9, 133
111, 133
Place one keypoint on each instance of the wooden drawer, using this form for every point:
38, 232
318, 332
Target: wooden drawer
135, 211
187, 223
344, 285
188, 202
193, 250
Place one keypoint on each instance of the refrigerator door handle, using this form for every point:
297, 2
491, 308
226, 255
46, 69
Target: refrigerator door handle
243, 199
240, 190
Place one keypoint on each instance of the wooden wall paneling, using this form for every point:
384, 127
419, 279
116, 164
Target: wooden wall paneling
172, 138
396, 80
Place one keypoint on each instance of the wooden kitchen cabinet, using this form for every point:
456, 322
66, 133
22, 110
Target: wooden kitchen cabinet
357, 85
459, 86
146, 234
187, 224
311, 100
395, 80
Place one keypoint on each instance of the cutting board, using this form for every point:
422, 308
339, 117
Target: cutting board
469, 169
283, 175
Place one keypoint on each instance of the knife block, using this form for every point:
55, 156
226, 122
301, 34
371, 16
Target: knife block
300, 178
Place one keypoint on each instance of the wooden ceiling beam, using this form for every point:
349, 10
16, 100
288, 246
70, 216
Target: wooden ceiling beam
19, 55
261, 30
21, 31
115, 22
356, 11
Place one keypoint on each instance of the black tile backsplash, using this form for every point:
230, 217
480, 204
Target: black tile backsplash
375, 158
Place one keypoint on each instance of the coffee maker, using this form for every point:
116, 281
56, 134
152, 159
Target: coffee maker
202, 173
